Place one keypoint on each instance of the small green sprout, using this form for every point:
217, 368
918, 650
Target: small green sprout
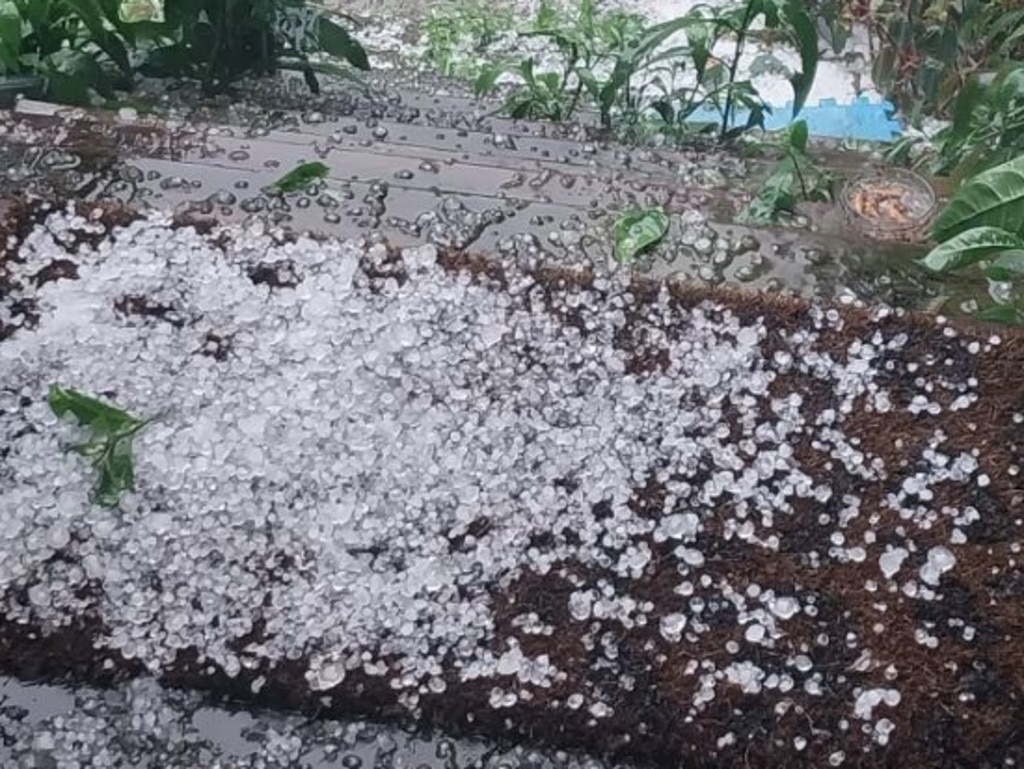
109, 450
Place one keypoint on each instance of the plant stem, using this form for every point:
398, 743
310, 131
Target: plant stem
741, 36
799, 174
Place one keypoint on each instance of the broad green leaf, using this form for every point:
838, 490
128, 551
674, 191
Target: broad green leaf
551, 81
637, 231
109, 450
10, 42
547, 16
998, 274
90, 412
798, 135
1011, 261
335, 40
778, 193
526, 70
971, 247
589, 81
91, 14
805, 38
519, 107
1006, 314
116, 473
300, 177
993, 198
487, 79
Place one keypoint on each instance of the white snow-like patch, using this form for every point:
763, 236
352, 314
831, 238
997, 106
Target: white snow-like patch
371, 459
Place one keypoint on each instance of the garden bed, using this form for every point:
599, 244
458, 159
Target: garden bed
590, 511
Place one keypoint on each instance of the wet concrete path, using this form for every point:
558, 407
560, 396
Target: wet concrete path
440, 170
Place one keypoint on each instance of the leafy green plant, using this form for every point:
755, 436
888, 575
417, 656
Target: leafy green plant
835, 20
300, 177
457, 34
983, 225
587, 42
636, 231
797, 178
715, 82
218, 42
86, 48
928, 49
80, 47
109, 448
987, 127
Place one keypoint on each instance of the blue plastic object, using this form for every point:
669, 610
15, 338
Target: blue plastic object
862, 119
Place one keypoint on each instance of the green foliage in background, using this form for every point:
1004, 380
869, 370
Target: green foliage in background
797, 178
928, 49
89, 49
80, 47
218, 42
458, 33
630, 71
586, 42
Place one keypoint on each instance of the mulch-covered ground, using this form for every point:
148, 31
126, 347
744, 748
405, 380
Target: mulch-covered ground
875, 619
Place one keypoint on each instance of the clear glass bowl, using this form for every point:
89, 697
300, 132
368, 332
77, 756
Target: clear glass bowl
891, 205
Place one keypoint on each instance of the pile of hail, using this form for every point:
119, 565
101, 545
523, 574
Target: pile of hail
550, 493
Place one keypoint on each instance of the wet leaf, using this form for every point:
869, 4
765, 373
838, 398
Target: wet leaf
88, 411
777, 194
300, 177
1010, 263
636, 231
805, 38
1002, 313
116, 473
993, 198
971, 247
109, 449
798, 135
335, 40
487, 79
1008, 266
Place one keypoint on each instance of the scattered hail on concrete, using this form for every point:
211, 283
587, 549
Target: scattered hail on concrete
566, 494
142, 725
